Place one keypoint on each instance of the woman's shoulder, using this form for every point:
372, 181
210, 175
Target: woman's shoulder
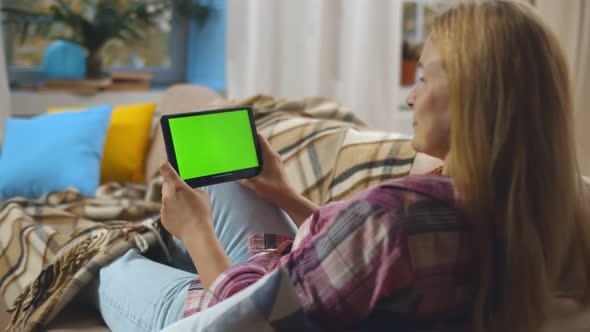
399, 198
427, 187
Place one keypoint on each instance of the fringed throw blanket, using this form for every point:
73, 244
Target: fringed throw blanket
52, 247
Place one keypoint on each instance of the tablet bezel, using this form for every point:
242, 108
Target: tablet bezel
213, 178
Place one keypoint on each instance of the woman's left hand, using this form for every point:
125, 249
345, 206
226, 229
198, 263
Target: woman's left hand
184, 210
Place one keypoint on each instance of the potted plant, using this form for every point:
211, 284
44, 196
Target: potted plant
100, 21
410, 56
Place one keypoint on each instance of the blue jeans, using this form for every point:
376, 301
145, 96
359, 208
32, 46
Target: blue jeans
138, 294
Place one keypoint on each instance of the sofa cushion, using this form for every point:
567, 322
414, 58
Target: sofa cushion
52, 152
180, 98
126, 143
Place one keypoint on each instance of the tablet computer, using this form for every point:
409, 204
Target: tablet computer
211, 147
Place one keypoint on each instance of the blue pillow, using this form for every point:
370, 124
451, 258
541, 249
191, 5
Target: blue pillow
52, 152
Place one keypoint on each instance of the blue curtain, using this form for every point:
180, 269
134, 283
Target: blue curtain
206, 51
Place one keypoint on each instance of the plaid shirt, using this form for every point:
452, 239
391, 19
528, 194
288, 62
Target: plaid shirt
398, 248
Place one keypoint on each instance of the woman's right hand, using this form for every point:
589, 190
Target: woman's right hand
272, 183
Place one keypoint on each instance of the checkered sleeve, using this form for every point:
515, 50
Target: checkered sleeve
343, 272
361, 259
258, 242
228, 283
233, 280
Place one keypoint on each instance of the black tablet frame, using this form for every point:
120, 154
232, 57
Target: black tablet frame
213, 178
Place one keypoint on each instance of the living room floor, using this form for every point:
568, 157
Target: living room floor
73, 318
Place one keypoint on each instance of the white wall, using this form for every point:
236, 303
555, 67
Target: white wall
29, 103
347, 50
571, 22
4, 91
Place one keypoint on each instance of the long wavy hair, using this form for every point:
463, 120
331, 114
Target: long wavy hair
512, 157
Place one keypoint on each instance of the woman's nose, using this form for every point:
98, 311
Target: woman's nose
410, 98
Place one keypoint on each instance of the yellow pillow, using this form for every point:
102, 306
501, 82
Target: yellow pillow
126, 143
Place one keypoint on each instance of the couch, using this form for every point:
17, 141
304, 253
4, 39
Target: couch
343, 140
183, 98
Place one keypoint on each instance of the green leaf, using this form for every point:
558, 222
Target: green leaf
24, 31
17, 11
133, 33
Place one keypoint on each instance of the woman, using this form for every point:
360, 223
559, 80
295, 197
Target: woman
495, 244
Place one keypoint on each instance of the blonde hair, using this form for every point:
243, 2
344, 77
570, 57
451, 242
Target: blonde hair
512, 157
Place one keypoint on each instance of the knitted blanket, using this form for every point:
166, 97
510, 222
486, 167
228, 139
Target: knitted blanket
52, 247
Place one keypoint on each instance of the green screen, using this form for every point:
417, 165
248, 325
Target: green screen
213, 143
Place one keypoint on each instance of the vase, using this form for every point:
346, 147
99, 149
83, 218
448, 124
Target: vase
408, 74
93, 65
64, 60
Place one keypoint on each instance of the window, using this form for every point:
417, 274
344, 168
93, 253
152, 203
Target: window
163, 51
416, 15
